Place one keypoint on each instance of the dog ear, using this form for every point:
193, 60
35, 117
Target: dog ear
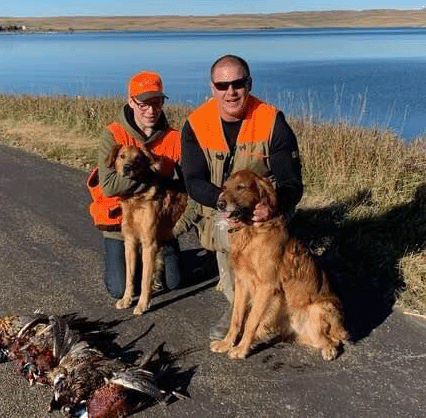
110, 160
156, 166
153, 160
267, 193
155, 163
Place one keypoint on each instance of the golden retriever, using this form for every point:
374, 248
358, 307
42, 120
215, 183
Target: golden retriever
279, 287
148, 218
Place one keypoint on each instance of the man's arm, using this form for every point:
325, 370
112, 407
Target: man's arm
196, 171
285, 165
111, 183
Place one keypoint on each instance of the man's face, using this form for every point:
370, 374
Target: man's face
232, 96
147, 112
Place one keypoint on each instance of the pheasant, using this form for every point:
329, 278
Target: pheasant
35, 349
90, 384
11, 325
79, 372
126, 391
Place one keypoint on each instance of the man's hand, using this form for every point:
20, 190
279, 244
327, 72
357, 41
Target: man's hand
261, 214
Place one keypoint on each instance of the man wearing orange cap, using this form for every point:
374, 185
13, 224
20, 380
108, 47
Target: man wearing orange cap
140, 121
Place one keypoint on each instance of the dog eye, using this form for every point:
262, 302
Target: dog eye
240, 187
122, 156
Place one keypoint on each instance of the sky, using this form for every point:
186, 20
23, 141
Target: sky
31, 8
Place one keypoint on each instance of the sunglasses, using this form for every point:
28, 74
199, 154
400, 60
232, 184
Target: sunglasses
240, 83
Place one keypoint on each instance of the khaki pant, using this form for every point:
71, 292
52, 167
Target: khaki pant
226, 275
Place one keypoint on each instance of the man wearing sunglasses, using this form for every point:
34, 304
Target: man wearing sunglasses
141, 121
232, 131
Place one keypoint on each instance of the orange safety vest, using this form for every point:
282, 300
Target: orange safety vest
106, 211
251, 151
252, 146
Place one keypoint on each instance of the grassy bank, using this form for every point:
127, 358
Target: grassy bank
60, 128
364, 209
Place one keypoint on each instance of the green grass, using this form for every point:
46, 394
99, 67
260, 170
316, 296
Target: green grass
364, 209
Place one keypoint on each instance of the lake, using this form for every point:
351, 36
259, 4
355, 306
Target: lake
364, 76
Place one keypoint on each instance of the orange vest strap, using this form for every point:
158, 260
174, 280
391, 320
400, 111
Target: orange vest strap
206, 124
121, 136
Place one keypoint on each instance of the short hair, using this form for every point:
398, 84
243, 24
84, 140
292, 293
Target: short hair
231, 58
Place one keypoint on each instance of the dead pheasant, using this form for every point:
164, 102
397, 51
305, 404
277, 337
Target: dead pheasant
121, 395
129, 390
80, 371
35, 350
11, 325
90, 384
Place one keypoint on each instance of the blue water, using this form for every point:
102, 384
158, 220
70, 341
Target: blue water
364, 76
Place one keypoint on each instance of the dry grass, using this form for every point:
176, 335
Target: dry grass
414, 266
63, 129
52, 142
341, 159
342, 18
368, 224
364, 209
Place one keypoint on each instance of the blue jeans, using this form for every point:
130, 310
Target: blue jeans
115, 266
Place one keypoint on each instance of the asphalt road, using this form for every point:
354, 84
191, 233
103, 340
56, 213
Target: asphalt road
50, 259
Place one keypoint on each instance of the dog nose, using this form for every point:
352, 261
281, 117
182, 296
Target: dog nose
127, 168
221, 204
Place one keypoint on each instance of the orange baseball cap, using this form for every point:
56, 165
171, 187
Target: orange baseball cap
146, 85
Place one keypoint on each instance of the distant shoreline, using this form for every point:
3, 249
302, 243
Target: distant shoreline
388, 18
71, 31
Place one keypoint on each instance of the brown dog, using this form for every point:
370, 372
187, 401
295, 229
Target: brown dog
279, 288
148, 219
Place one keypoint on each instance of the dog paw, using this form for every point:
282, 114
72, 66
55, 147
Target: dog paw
329, 353
220, 346
140, 309
237, 352
123, 303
